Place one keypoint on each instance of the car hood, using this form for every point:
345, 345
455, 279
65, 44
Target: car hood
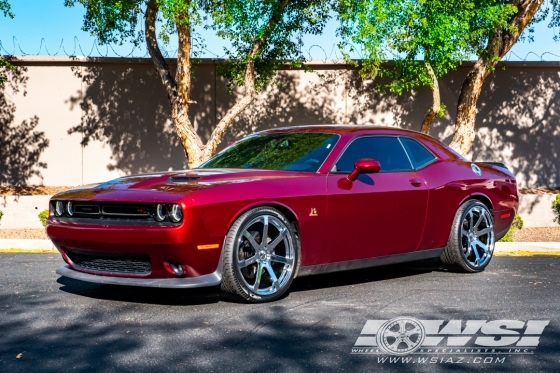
168, 186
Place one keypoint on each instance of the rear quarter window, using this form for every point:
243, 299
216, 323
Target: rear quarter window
418, 154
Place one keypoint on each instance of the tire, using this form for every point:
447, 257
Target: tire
471, 241
249, 254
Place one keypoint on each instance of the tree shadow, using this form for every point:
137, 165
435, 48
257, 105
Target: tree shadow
519, 124
59, 331
127, 109
20, 144
209, 295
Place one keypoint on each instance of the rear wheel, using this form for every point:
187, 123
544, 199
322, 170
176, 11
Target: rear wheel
471, 242
260, 256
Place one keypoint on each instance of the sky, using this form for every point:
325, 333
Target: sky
47, 27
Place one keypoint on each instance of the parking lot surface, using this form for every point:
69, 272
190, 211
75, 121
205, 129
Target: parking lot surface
54, 324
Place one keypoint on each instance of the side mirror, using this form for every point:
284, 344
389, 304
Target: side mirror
364, 166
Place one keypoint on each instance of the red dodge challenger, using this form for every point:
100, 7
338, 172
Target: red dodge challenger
284, 203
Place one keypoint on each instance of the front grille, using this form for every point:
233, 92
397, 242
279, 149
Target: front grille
112, 263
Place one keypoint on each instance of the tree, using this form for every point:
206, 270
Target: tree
425, 38
262, 34
497, 45
6, 10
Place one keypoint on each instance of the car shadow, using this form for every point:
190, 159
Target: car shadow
208, 295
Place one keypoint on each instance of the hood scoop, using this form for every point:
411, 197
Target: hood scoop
182, 178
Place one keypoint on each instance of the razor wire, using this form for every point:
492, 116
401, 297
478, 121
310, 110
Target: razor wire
313, 52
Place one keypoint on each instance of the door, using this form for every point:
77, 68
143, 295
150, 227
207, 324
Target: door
378, 214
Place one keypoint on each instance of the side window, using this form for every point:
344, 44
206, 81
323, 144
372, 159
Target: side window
419, 155
388, 151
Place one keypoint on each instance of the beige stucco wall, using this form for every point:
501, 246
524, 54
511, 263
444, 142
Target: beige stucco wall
121, 107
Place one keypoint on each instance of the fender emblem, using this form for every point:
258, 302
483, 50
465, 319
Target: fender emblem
313, 212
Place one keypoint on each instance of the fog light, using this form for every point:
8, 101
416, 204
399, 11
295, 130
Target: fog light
59, 208
70, 208
177, 268
176, 214
160, 213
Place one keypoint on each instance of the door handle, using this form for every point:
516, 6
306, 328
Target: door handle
415, 182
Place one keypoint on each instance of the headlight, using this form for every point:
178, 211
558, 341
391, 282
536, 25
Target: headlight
176, 214
70, 208
59, 208
160, 212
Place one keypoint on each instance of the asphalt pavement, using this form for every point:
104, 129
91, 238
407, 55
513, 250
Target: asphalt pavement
54, 324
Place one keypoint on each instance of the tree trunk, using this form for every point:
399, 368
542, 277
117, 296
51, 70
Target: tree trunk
178, 89
499, 43
248, 83
436, 102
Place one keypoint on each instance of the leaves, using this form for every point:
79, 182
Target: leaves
412, 32
267, 32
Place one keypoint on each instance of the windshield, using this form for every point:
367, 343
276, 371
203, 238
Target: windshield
290, 151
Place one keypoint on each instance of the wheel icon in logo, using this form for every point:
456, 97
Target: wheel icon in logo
401, 336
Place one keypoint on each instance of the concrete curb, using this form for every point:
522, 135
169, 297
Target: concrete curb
26, 244
527, 248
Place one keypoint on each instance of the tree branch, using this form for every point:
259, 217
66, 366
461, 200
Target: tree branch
153, 48
499, 43
436, 102
249, 83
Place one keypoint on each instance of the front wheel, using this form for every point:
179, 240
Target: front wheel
260, 256
471, 242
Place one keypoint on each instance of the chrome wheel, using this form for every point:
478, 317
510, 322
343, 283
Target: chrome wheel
477, 236
265, 255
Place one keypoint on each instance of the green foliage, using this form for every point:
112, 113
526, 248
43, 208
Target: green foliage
415, 32
1, 214
111, 21
556, 208
6, 10
517, 224
241, 22
43, 216
276, 27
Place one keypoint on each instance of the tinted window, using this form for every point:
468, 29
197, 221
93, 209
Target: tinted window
291, 151
418, 154
388, 151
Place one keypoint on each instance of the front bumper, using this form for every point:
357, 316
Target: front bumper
211, 279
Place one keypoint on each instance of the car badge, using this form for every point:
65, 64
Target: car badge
476, 169
313, 212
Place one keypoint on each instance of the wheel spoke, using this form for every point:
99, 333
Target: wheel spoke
416, 330
408, 342
473, 245
402, 326
482, 232
396, 344
245, 262
480, 218
251, 240
277, 240
390, 333
281, 259
258, 276
272, 276
482, 246
470, 219
264, 237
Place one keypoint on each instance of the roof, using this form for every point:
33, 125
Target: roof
341, 129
